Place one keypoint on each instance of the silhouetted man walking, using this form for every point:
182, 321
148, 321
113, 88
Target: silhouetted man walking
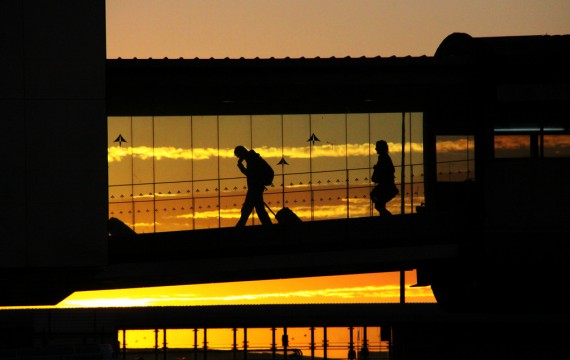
258, 173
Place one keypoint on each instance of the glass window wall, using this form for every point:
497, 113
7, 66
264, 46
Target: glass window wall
170, 173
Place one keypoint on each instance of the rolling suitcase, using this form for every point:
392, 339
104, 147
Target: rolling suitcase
286, 216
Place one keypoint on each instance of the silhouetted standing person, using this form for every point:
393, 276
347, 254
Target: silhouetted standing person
257, 178
383, 176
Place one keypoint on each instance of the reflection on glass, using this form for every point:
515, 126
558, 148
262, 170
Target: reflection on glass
143, 150
556, 146
455, 157
234, 131
172, 145
145, 217
512, 146
182, 173
205, 149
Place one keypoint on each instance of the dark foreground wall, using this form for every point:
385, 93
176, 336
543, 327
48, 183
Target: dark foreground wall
53, 139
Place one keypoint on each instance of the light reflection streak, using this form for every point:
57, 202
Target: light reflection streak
363, 294
116, 153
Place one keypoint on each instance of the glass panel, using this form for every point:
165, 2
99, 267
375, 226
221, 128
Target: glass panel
296, 131
359, 194
267, 139
172, 148
359, 152
416, 188
144, 208
122, 211
145, 217
387, 127
512, 146
330, 204
275, 202
414, 160
173, 206
206, 214
328, 145
234, 131
120, 152
300, 203
143, 150
556, 146
455, 158
230, 210
205, 147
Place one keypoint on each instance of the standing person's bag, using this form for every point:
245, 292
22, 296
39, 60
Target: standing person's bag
285, 216
380, 192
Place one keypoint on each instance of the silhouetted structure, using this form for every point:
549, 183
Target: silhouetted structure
483, 234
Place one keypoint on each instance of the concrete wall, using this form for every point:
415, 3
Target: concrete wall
53, 134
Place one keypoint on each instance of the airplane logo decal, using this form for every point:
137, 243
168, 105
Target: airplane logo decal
120, 139
313, 138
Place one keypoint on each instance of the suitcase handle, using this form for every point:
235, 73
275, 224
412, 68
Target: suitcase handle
267, 206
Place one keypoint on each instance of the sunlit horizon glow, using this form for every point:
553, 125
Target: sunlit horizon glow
284, 291
119, 153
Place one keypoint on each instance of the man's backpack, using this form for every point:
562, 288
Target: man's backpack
266, 172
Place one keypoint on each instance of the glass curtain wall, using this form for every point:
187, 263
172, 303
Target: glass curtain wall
170, 173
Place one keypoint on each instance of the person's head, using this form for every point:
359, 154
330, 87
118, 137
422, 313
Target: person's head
381, 146
240, 152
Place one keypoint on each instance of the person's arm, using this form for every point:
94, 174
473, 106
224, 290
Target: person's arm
241, 167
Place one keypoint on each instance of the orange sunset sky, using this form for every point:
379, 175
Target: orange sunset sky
303, 28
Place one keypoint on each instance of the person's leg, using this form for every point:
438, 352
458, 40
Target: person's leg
262, 213
246, 209
385, 212
257, 200
380, 204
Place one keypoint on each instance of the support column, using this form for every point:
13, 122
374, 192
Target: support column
205, 344
312, 343
234, 348
164, 345
195, 344
325, 343
244, 343
273, 344
156, 344
351, 352
285, 342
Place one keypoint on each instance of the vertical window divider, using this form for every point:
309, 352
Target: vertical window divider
370, 206
133, 177
153, 178
218, 165
311, 197
403, 166
411, 164
282, 165
192, 199
251, 147
347, 173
